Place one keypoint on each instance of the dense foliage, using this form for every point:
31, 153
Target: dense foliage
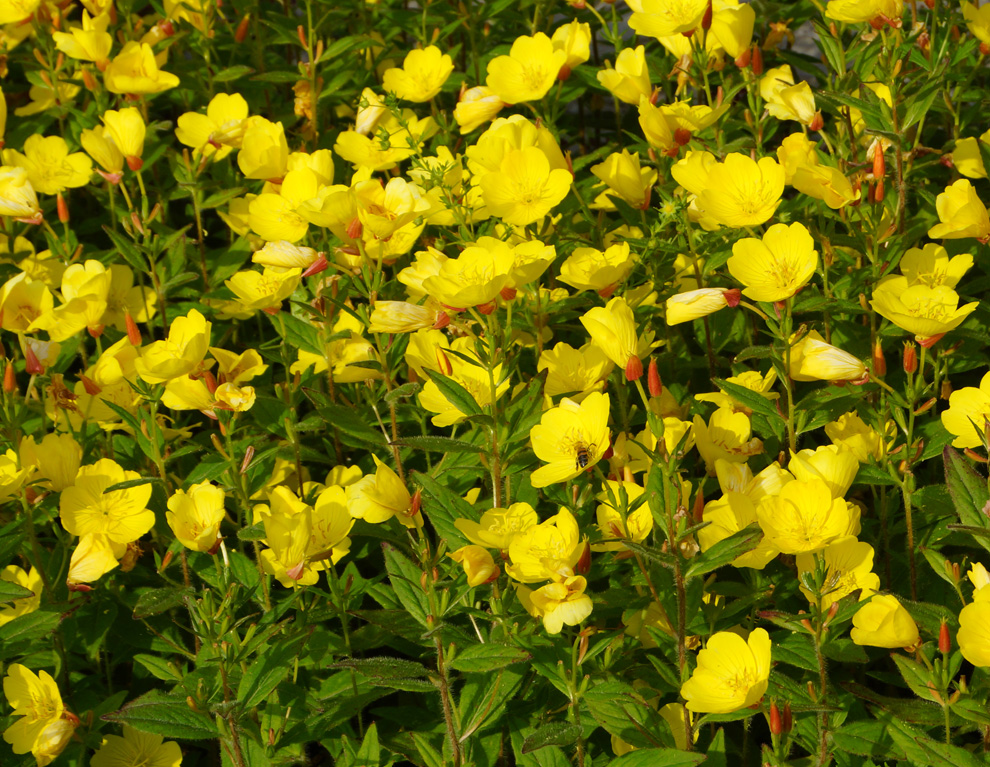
522, 382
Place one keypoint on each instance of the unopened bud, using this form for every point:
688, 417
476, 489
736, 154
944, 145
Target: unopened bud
817, 122
653, 381
416, 503
786, 720
9, 379
248, 457
946, 390
63, 208
879, 361
944, 639
878, 191
133, 332
910, 357
302, 37
32, 365
706, 20
742, 61
776, 721
634, 368
583, 565
242, 29
757, 62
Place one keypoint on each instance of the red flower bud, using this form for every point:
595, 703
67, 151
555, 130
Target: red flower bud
757, 60
32, 365
776, 722
133, 332
879, 361
9, 379
63, 208
786, 720
817, 122
416, 503
634, 368
910, 357
944, 639
653, 381
242, 29
706, 20
583, 566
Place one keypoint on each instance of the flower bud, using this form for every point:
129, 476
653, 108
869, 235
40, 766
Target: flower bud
757, 61
944, 639
653, 381
9, 380
634, 368
706, 20
63, 208
776, 721
133, 332
879, 361
910, 357
242, 29
32, 365
817, 122
787, 721
744, 58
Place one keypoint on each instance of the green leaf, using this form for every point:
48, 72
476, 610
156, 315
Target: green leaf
11, 591
405, 579
968, 491
165, 715
724, 552
403, 392
749, 398
298, 334
657, 757
255, 532
384, 668
28, 628
232, 73
456, 394
129, 483
444, 507
440, 445
156, 601
264, 674
488, 657
622, 711
159, 667
915, 676
661, 557
553, 734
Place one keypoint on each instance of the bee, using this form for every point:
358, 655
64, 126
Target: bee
583, 457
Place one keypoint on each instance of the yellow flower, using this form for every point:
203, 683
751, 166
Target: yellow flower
36, 700
726, 516
794, 152
383, 210
475, 107
122, 515
574, 40
136, 749
57, 459
217, 133
803, 517
135, 71
883, 622
726, 436
547, 551
741, 191
823, 182
423, 73
624, 177
968, 416
17, 195
497, 528
13, 475
850, 432
186, 346
50, 167
785, 100
962, 214
475, 277
529, 70
53, 740
978, 20
592, 269
331, 524
472, 376
90, 42
928, 313
848, 568
670, 126
403, 317
776, 267
13, 11
478, 564
613, 329
932, 266
126, 129
664, 18
378, 497
574, 371
530, 259
195, 516
562, 603
264, 151
94, 556
752, 380
814, 360
570, 439
18, 607
695, 304
967, 157
288, 530
732, 673
264, 290
974, 633
525, 188
834, 465
630, 80
859, 11
616, 526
